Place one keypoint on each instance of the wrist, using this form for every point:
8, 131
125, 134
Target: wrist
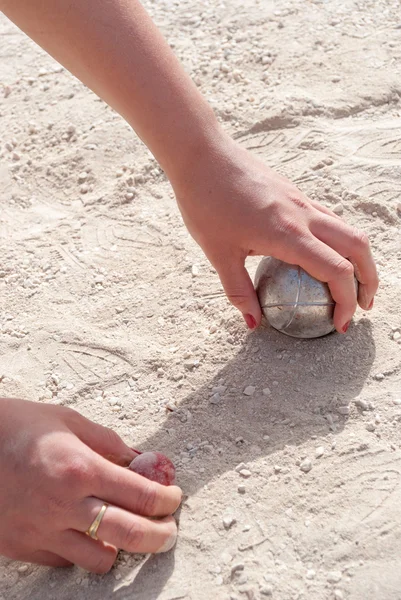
197, 151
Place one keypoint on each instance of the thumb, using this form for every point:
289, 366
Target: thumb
239, 289
102, 440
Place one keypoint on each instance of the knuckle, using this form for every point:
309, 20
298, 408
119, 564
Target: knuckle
147, 498
290, 228
344, 269
240, 301
360, 239
76, 472
132, 536
112, 438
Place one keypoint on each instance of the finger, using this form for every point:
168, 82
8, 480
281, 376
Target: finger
81, 550
101, 439
354, 245
239, 288
126, 530
133, 492
324, 209
47, 559
325, 264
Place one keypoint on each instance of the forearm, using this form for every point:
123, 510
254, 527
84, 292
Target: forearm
114, 48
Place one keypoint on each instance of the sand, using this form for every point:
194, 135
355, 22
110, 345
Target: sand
109, 307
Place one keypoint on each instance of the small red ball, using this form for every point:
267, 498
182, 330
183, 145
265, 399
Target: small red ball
154, 466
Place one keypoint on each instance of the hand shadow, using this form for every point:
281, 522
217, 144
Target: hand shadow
309, 381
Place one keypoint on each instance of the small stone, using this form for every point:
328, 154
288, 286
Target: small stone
338, 595
82, 177
338, 209
397, 401
266, 590
249, 390
396, 336
277, 468
245, 473
237, 568
305, 465
334, 576
42, 72
343, 410
370, 427
129, 196
378, 376
213, 329
362, 404
266, 438
215, 399
195, 270
319, 452
22, 568
267, 391
241, 489
310, 574
229, 522
84, 189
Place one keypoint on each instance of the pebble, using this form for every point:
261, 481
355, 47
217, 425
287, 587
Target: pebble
338, 595
237, 568
338, 209
343, 410
22, 569
362, 404
396, 336
378, 376
305, 465
82, 177
310, 574
249, 390
334, 576
215, 399
245, 473
195, 270
212, 329
266, 438
267, 391
277, 468
319, 452
370, 427
241, 489
266, 590
397, 401
229, 522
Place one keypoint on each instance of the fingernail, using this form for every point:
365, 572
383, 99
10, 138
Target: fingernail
250, 321
168, 544
371, 304
345, 328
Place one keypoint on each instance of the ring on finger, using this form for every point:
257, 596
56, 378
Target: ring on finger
92, 530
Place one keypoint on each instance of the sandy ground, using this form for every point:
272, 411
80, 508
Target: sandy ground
108, 306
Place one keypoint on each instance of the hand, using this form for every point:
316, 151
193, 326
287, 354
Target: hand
57, 469
235, 206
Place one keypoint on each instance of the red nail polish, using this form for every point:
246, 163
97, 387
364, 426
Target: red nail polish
345, 328
371, 304
250, 321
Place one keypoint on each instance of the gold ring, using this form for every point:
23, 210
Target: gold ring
92, 531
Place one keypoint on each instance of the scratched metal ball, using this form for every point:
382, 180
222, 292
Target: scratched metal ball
292, 301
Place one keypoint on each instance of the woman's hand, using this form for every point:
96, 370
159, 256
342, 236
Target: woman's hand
235, 206
57, 469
